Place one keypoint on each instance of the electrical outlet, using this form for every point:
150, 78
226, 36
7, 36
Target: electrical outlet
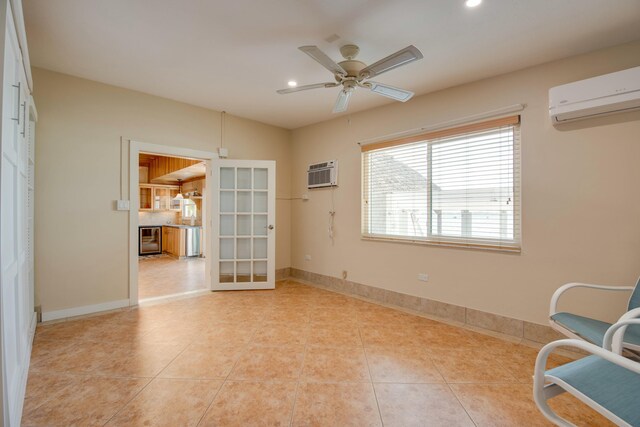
423, 277
307, 257
344, 274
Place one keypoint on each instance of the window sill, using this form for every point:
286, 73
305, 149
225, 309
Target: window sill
445, 244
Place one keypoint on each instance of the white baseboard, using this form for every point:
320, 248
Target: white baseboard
173, 297
87, 309
32, 327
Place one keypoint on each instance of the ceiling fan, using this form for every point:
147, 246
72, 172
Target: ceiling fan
352, 73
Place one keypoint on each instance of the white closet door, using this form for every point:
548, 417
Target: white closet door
243, 194
15, 283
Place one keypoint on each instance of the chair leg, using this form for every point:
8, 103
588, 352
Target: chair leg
541, 394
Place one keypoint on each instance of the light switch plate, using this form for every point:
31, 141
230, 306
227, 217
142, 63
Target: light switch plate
122, 205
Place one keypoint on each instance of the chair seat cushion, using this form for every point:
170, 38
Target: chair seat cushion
593, 330
607, 384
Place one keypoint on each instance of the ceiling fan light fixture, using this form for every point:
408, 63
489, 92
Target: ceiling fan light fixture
472, 3
292, 83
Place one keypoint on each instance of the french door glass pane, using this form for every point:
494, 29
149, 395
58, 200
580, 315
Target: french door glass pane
244, 201
244, 225
226, 225
260, 201
243, 271
260, 271
226, 272
227, 178
227, 201
260, 179
226, 249
259, 225
260, 248
244, 178
243, 248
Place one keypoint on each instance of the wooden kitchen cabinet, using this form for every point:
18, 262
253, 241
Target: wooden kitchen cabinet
157, 197
173, 241
146, 198
165, 238
161, 199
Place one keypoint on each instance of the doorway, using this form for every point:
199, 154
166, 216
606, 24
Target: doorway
170, 221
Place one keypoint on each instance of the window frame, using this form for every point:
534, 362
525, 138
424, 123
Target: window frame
432, 138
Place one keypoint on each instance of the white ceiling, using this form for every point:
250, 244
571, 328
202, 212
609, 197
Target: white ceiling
232, 55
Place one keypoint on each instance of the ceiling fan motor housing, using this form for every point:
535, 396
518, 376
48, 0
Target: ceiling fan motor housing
349, 51
352, 67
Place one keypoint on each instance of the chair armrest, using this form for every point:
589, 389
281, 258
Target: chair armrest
543, 355
562, 289
541, 391
614, 337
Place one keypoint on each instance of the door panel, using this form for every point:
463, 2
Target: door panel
243, 194
16, 294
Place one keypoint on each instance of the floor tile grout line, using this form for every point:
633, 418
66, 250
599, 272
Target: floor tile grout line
226, 378
128, 401
151, 379
304, 357
462, 404
448, 385
373, 387
213, 399
295, 401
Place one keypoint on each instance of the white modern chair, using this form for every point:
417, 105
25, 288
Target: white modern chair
593, 330
604, 380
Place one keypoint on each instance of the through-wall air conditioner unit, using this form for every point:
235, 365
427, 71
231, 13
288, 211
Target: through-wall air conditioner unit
608, 94
323, 174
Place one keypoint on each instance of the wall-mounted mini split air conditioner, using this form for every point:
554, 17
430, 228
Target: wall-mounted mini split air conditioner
323, 174
598, 96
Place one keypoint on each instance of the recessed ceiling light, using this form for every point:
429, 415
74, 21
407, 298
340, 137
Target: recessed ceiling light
292, 83
472, 3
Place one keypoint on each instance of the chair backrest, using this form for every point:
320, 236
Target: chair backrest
634, 301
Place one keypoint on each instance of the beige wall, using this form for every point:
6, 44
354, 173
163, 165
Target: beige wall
580, 204
81, 244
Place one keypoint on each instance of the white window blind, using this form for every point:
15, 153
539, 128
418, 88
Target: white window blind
456, 187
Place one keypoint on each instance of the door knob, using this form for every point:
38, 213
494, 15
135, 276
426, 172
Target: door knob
270, 227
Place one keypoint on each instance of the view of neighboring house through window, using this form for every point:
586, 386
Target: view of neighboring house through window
457, 186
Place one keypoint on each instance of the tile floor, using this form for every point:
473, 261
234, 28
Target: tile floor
296, 356
157, 273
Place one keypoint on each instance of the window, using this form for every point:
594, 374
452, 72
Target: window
455, 187
189, 209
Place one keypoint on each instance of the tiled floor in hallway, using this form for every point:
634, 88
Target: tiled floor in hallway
296, 356
157, 273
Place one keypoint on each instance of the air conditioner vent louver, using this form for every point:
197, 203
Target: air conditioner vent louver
323, 174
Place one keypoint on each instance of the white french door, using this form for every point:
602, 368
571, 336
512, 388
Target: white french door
244, 213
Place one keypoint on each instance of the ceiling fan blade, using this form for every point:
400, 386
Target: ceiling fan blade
390, 91
343, 101
306, 87
323, 59
395, 60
